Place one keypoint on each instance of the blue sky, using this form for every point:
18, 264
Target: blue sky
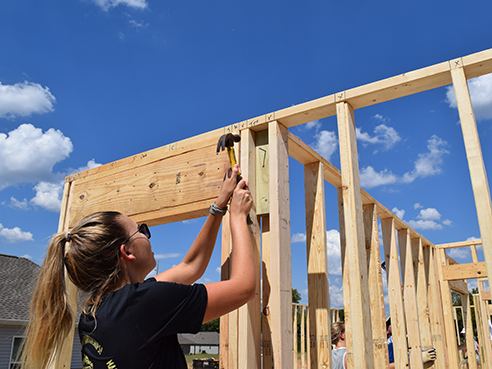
87, 82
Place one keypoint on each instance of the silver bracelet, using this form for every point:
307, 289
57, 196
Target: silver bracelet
216, 210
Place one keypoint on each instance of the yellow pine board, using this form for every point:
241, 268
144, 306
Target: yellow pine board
464, 271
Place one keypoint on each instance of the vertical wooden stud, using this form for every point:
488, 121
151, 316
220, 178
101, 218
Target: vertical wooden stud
317, 268
225, 274
447, 307
434, 307
395, 293
358, 293
467, 323
478, 175
280, 257
249, 345
421, 291
376, 293
266, 290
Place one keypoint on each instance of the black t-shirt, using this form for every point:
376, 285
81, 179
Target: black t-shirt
137, 325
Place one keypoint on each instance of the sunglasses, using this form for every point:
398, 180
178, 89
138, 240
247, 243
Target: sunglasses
142, 228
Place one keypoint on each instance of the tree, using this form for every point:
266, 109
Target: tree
296, 296
213, 326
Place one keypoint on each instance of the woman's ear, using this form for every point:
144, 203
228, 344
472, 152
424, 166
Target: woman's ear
126, 253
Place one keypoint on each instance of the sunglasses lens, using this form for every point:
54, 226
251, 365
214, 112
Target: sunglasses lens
144, 230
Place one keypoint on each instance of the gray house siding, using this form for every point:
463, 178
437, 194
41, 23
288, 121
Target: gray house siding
7, 332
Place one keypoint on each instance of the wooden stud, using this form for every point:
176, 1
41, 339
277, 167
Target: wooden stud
262, 174
317, 268
266, 290
434, 307
225, 275
280, 258
478, 175
467, 323
249, 345
358, 293
400, 348
447, 307
422, 299
376, 293
410, 299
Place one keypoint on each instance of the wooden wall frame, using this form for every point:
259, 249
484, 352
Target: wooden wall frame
178, 181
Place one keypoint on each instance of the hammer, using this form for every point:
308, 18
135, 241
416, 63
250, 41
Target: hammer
227, 142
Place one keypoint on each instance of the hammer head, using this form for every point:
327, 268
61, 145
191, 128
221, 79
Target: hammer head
227, 140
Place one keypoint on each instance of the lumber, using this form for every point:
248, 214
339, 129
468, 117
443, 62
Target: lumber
464, 271
376, 293
225, 274
249, 345
410, 299
266, 290
280, 257
395, 297
317, 268
478, 175
262, 196
358, 290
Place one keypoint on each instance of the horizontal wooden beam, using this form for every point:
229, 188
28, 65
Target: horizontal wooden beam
454, 245
463, 271
486, 295
459, 286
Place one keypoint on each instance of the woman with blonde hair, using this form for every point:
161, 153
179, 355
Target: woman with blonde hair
128, 322
339, 353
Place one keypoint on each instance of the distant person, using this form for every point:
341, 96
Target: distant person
128, 322
464, 349
339, 353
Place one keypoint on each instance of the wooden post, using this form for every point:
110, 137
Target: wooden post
410, 302
225, 274
434, 307
63, 358
478, 175
280, 257
422, 300
317, 268
484, 313
376, 294
266, 290
467, 323
447, 306
394, 293
358, 294
249, 346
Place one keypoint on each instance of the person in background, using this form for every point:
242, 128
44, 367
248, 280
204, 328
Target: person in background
339, 353
463, 348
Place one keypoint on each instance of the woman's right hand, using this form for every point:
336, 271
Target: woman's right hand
242, 201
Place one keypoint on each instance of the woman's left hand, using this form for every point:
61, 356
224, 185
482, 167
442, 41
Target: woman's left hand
228, 186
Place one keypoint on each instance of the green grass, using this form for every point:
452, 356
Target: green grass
189, 358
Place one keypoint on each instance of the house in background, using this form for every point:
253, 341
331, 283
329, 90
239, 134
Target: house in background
200, 343
18, 278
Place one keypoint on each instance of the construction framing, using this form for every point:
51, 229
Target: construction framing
179, 181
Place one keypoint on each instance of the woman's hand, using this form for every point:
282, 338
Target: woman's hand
228, 186
241, 202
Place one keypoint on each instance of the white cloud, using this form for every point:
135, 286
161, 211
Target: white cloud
370, 178
14, 203
398, 212
23, 99
326, 143
384, 135
429, 214
424, 224
15, 235
298, 237
28, 154
417, 206
336, 296
314, 124
218, 270
428, 163
460, 253
107, 4
481, 96
48, 196
447, 222
167, 256
333, 252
